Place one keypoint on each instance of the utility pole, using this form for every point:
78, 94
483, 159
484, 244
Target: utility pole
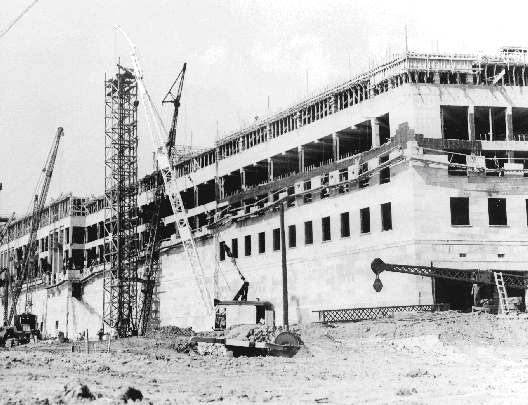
284, 270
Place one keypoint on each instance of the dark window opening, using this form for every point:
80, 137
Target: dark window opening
326, 229
364, 216
490, 123
454, 160
292, 236
384, 173
262, 242
325, 180
343, 176
495, 161
222, 251
384, 129
454, 122
497, 211
520, 123
307, 198
234, 248
459, 210
247, 245
386, 217
363, 181
276, 239
345, 224
308, 233
77, 235
291, 201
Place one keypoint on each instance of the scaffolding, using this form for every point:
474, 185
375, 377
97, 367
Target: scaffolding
120, 223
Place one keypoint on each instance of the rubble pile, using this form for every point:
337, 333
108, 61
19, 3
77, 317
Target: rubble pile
170, 332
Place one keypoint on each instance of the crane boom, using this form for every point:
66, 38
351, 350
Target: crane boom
4, 230
159, 138
474, 276
35, 222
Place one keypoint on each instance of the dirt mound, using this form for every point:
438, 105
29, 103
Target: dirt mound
169, 332
75, 391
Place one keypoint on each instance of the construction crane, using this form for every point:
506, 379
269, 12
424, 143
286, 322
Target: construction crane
159, 139
472, 276
4, 230
35, 222
151, 262
175, 100
242, 293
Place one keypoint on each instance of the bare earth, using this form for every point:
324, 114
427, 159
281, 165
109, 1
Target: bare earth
443, 358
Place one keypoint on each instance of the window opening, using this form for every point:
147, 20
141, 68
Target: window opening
308, 233
364, 215
497, 211
326, 228
386, 217
459, 210
345, 224
292, 236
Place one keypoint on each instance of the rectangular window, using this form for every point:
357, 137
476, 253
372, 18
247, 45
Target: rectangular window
343, 176
364, 180
262, 242
292, 236
325, 180
386, 217
497, 211
247, 245
326, 228
222, 251
345, 224
459, 211
308, 233
384, 173
307, 198
364, 215
67, 237
276, 239
234, 248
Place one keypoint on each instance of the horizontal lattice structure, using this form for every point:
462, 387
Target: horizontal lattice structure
362, 314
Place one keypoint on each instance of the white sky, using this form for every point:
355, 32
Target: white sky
53, 63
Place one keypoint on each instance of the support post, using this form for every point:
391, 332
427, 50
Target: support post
87, 343
270, 170
509, 130
284, 270
335, 142
301, 159
471, 127
374, 124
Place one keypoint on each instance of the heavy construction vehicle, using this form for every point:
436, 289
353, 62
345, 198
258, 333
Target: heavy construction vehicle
28, 260
472, 276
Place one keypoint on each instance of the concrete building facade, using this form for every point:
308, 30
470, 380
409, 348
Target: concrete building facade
419, 161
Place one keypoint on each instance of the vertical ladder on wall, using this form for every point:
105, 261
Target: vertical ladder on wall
503, 295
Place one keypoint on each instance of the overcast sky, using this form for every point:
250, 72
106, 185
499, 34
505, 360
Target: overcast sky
54, 60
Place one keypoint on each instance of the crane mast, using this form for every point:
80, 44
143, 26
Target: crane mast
175, 100
35, 222
159, 139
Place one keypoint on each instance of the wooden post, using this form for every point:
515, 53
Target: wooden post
109, 340
87, 343
284, 270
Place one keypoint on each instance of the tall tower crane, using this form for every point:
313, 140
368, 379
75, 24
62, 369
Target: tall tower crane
159, 139
35, 222
175, 100
148, 280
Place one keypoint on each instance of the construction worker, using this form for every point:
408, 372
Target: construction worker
100, 334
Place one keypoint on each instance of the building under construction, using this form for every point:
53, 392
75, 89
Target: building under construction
420, 161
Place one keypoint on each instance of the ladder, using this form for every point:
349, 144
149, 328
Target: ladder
503, 295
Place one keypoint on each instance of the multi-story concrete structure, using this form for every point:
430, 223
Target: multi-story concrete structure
419, 161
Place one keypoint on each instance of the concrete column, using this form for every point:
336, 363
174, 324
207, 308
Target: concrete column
195, 196
490, 118
301, 158
221, 189
509, 131
374, 124
243, 179
437, 77
471, 127
270, 169
335, 139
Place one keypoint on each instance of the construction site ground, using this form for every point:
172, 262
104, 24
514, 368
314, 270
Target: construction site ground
420, 358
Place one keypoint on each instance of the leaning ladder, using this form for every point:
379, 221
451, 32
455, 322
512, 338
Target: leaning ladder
503, 295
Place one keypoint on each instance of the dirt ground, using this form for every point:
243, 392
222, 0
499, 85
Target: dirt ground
410, 359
